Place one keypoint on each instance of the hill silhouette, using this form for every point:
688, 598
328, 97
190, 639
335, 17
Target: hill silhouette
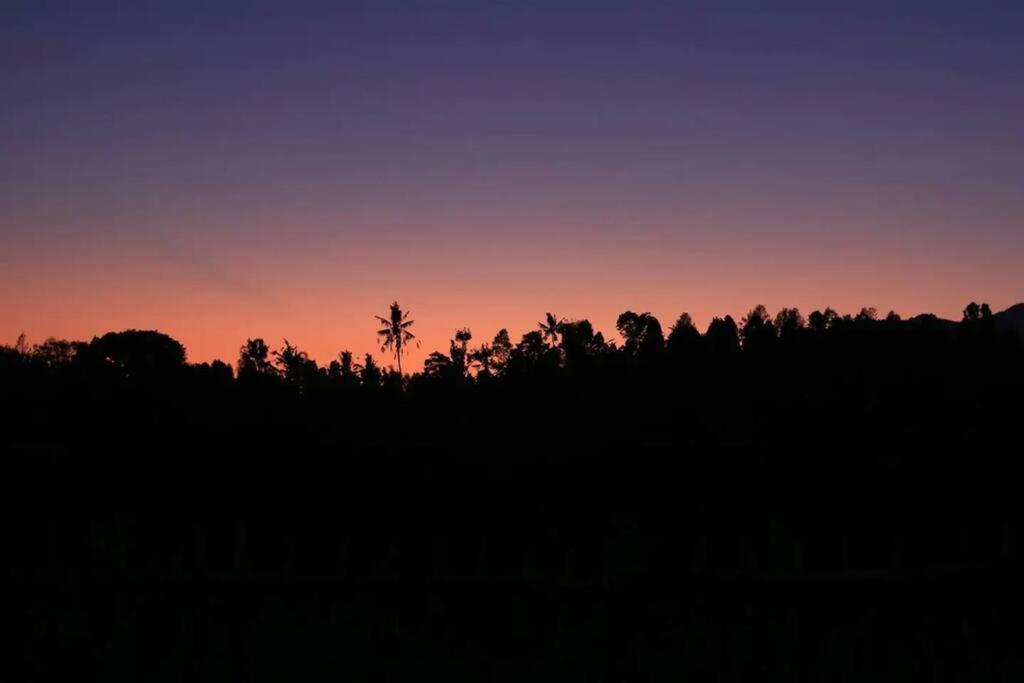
1012, 319
774, 498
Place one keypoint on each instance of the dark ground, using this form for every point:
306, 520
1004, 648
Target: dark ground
834, 511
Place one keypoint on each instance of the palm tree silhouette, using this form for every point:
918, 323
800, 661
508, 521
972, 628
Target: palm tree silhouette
551, 328
395, 332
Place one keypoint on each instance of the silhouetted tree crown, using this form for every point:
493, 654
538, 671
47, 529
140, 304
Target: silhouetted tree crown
395, 334
683, 337
757, 331
820, 321
254, 359
141, 351
579, 341
723, 335
789, 324
370, 373
551, 328
55, 352
641, 333
296, 367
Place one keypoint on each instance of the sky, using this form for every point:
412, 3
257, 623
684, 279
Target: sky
226, 170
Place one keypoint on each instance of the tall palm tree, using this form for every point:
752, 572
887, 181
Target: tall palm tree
394, 333
551, 328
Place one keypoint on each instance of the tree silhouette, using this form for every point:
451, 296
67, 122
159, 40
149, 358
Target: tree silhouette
757, 332
254, 359
296, 367
459, 350
456, 364
345, 362
580, 341
723, 335
529, 351
551, 328
978, 324
54, 352
21, 345
482, 358
867, 314
370, 373
221, 370
641, 332
577, 336
436, 364
344, 369
139, 350
789, 324
395, 332
501, 349
683, 336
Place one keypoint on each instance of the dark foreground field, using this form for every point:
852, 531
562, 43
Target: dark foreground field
841, 507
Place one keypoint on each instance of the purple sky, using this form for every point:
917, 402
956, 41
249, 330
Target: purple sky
219, 170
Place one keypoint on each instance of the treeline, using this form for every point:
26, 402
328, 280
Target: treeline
831, 495
557, 345
852, 378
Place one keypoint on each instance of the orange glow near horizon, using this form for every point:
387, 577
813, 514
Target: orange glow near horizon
324, 299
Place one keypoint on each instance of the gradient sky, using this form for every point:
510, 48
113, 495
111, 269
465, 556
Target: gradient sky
222, 170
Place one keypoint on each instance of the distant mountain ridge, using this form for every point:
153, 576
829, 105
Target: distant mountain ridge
1011, 319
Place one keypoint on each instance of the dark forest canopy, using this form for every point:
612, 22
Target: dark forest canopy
563, 384
853, 475
557, 343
